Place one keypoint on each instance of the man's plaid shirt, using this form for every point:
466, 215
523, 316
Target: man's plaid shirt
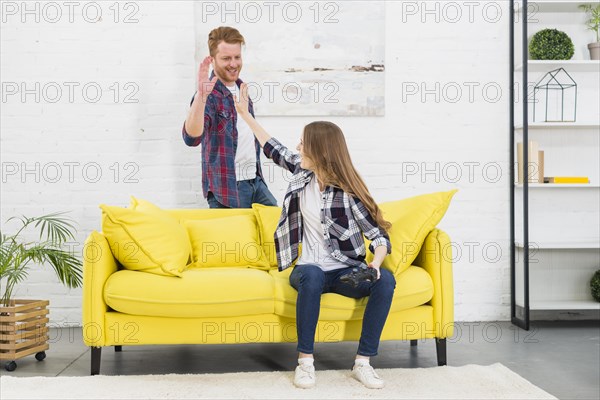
219, 145
344, 218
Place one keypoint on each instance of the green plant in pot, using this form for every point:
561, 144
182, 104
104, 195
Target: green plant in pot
23, 323
17, 255
593, 24
551, 44
595, 285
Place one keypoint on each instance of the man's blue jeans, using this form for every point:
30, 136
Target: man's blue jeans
311, 281
250, 191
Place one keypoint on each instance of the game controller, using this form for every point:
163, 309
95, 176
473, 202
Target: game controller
359, 274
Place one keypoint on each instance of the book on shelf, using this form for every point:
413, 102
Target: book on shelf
533, 163
567, 179
540, 166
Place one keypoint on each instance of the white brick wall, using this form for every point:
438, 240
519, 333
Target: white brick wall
141, 141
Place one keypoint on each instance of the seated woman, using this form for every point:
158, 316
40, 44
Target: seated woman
328, 208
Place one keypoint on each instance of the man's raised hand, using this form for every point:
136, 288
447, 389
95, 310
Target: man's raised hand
205, 86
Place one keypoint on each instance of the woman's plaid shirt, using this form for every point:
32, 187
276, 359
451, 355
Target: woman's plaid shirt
344, 218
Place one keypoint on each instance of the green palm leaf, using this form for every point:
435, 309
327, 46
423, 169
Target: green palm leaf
16, 255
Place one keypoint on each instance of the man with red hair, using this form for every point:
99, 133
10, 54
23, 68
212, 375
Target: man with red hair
231, 171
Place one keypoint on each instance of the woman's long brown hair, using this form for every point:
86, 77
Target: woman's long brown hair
324, 144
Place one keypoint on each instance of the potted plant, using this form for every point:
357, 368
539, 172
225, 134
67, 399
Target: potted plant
595, 286
551, 44
593, 24
23, 323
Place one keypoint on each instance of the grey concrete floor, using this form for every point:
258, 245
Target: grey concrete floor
563, 358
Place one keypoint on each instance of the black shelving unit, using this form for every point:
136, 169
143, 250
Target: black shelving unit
519, 315
529, 246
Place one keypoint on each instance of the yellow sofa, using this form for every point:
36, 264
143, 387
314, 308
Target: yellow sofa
237, 303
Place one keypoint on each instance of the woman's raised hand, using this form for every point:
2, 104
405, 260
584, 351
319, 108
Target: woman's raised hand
241, 104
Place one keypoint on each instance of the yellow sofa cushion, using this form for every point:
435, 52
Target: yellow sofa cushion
200, 292
414, 287
412, 219
226, 242
208, 213
148, 207
148, 240
267, 218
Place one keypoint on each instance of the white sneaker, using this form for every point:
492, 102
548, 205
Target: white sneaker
305, 376
366, 375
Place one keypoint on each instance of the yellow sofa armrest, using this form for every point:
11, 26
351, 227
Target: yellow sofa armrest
436, 258
98, 265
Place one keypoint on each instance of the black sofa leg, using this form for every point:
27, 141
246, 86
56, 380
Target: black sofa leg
118, 349
96, 356
440, 347
413, 342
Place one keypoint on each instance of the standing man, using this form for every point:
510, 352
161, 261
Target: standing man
231, 171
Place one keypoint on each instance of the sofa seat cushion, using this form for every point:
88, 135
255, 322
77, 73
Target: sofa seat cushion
414, 287
200, 292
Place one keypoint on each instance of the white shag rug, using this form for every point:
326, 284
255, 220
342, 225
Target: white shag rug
466, 382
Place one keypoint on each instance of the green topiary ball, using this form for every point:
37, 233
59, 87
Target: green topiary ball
595, 286
551, 44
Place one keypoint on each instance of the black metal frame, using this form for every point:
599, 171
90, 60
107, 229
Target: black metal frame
520, 322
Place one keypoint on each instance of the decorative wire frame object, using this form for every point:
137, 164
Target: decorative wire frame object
557, 84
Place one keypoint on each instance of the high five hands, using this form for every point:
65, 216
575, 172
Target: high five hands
241, 104
205, 85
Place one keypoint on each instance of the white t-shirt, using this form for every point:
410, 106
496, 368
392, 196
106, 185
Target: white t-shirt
245, 155
314, 248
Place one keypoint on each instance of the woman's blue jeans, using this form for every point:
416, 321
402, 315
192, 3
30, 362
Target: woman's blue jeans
311, 281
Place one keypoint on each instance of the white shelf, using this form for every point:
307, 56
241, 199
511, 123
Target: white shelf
564, 305
568, 65
565, 245
559, 125
566, 2
540, 305
536, 6
558, 186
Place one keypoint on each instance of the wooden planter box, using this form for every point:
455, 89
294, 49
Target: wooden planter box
23, 331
